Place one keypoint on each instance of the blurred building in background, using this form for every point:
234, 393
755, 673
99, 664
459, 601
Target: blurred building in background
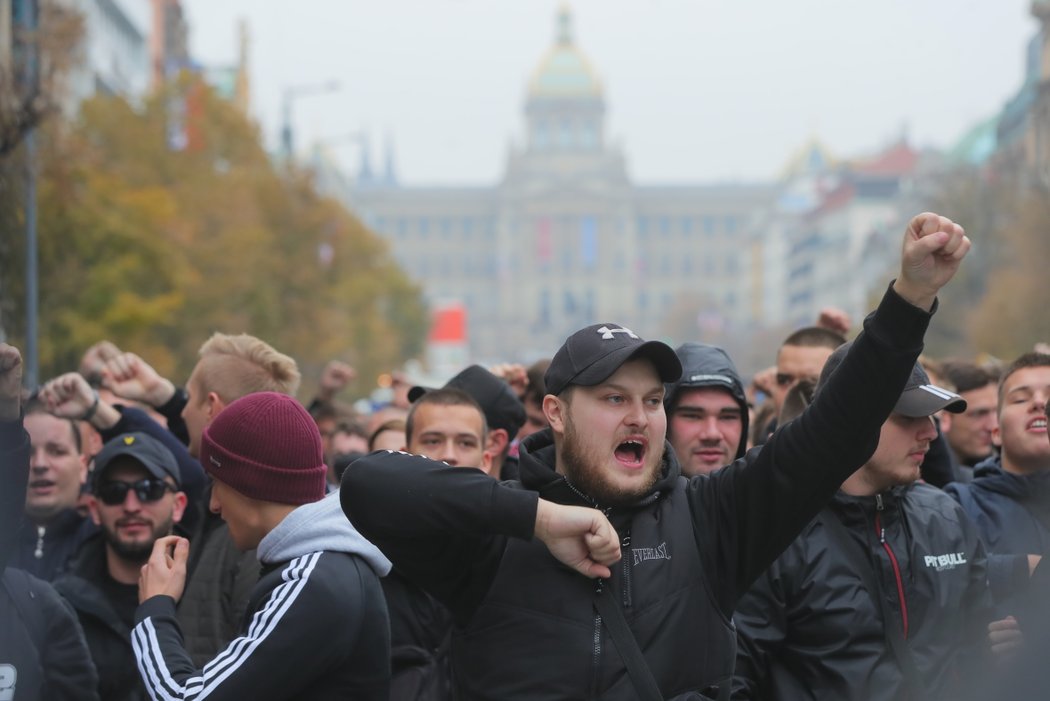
115, 53
566, 238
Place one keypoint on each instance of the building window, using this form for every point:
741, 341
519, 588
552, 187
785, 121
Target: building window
665, 226
709, 226
686, 225
730, 225
643, 227
642, 300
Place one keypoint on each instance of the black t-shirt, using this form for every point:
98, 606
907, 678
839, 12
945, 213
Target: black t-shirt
123, 597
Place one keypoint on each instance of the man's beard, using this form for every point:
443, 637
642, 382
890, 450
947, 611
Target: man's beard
136, 551
585, 471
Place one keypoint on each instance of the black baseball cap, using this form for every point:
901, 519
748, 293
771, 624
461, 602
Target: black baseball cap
595, 352
144, 449
497, 400
919, 398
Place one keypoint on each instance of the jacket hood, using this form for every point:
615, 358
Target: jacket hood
991, 476
536, 457
319, 526
709, 366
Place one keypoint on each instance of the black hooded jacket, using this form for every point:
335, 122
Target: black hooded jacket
709, 366
809, 628
526, 625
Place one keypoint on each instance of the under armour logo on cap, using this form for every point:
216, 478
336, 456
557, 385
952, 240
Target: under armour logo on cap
594, 353
607, 333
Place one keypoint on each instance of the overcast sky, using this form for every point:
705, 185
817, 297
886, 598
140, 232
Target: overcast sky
696, 90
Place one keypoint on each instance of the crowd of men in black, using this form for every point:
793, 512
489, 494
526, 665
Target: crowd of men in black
621, 521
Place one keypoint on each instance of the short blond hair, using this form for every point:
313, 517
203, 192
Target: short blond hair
234, 366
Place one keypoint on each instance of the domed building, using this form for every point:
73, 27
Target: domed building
565, 238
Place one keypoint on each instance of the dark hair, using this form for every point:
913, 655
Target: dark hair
815, 337
965, 376
351, 427
446, 396
35, 406
797, 399
1027, 360
536, 388
388, 425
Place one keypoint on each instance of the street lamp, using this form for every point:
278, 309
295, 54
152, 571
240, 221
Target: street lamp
290, 95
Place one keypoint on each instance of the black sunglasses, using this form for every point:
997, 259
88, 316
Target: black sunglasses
147, 490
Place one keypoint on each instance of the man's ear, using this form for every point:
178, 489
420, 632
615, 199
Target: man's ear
497, 441
215, 405
179, 507
997, 436
555, 410
945, 420
92, 504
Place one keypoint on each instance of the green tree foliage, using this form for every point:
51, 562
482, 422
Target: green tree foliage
1012, 317
155, 249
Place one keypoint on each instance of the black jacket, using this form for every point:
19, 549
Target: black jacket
108, 637
42, 650
43, 656
809, 628
316, 628
525, 624
14, 480
45, 551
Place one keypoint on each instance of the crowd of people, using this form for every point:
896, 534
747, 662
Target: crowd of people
621, 521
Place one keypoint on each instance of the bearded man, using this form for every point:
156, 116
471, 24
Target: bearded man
602, 497
135, 499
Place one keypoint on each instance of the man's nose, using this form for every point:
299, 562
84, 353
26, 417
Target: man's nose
448, 454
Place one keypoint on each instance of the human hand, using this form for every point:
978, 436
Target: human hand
578, 536
69, 396
1005, 637
514, 375
334, 378
131, 377
933, 248
834, 319
10, 382
766, 380
165, 572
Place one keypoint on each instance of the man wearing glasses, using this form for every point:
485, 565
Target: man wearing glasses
136, 498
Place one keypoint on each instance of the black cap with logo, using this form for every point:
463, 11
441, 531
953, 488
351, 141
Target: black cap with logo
594, 353
144, 449
919, 398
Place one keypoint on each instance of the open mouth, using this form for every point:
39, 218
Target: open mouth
41, 485
630, 452
1037, 425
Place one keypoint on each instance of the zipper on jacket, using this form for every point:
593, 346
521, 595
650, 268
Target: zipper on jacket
881, 532
39, 552
625, 543
596, 647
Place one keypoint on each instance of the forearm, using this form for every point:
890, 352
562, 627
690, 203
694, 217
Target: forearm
443, 527
171, 410
389, 495
805, 462
14, 467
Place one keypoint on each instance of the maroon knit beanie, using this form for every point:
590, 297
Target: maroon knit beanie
267, 447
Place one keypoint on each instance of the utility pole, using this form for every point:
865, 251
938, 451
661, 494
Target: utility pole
27, 20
